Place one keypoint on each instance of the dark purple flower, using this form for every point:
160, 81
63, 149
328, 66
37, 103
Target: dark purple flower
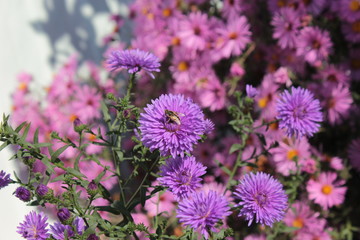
63, 214
251, 92
133, 60
42, 190
262, 198
34, 227
182, 175
92, 237
23, 194
4, 179
203, 211
60, 231
299, 112
172, 124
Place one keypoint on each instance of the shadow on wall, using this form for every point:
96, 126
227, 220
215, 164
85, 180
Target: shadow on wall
76, 25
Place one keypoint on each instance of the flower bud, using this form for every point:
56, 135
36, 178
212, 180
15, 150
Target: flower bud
63, 214
23, 194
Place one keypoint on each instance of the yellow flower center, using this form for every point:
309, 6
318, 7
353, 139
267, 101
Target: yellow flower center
183, 66
354, 5
298, 222
355, 26
291, 154
262, 103
326, 189
166, 12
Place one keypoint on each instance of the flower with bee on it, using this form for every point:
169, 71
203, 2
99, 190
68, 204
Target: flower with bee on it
172, 124
173, 116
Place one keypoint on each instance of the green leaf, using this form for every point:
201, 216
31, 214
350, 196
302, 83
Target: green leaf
36, 136
57, 153
75, 173
18, 129
4, 145
118, 205
235, 147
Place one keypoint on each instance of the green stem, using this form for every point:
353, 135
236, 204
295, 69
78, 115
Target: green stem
130, 86
143, 181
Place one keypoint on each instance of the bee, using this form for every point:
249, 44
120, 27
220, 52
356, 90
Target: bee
173, 116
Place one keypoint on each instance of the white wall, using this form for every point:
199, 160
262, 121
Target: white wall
37, 36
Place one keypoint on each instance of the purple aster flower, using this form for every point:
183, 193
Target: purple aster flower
133, 60
286, 24
79, 225
63, 214
4, 179
172, 124
60, 231
203, 211
182, 175
262, 198
251, 92
299, 112
34, 227
92, 237
42, 190
23, 194
209, 126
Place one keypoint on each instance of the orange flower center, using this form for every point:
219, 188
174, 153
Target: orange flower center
326, 189
274, 126
355, 26
291, 154
354, 6
298, 222
262, 103
22, 86
183, 66
72, 117
175, 41
281, 3
166, 12
233, 35
91, 137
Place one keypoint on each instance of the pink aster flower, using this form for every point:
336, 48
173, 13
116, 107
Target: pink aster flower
195, 31
213, 96
233, 8
314, 45
326, 190
300, 216
337, 104
333, 75
234, 37
87, 103
350, 10
351, 31
314, 6
286, 24
289, 154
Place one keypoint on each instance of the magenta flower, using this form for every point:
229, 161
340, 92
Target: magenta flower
349, 10
286, 24
172, 124
34, 227
298, 112
337, 104
182, 175
203, 211
4, 179
326, 191
133, 60
234, 37
262, 198
314, 45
